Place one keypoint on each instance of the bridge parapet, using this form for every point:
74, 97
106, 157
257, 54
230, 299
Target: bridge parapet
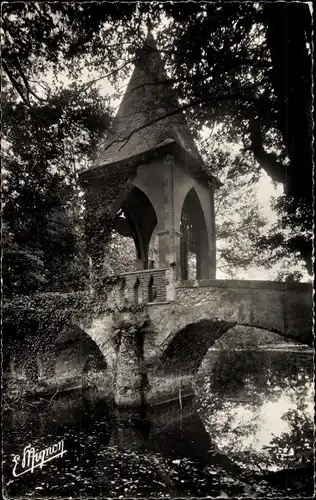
275, 306
254, 284
144, 286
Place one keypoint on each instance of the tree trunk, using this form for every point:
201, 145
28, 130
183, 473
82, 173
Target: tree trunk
288, 32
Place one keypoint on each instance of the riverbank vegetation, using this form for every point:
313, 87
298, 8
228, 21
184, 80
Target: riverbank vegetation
242, 76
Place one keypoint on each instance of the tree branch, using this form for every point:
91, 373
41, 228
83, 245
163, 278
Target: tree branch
174, 112
15, 83
26, 83
42, 85
268, 161
111, 73
235, 60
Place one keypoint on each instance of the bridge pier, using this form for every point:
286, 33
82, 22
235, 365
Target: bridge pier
129, 381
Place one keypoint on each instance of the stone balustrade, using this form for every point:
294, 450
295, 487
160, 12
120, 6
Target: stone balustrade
144, 286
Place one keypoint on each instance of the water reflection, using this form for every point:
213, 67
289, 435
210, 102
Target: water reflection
113, 453
259, 406
210, 448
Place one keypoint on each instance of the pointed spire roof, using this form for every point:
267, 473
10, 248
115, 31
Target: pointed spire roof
140, 124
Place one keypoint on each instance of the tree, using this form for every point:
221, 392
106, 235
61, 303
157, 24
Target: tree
250, 68
42, 212
239, 221
247, 66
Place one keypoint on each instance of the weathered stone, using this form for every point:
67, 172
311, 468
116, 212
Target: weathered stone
156, 177
129, 380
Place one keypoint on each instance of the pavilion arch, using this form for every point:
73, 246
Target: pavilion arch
140, 215
194, 236
137, 291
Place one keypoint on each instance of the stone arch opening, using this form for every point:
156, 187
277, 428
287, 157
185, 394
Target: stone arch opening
95, 362
76, 353
136, 291
123, 288
152, 293
184, 350
135, 222
194, 246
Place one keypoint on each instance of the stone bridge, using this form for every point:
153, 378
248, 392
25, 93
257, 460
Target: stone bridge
179, 332
162, 343
155, 188
282, 308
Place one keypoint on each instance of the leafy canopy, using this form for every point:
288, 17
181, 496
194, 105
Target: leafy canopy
245, 66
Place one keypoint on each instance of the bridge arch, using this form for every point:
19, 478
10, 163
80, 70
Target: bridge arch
62, 358
278, 308
73, 354
184, 350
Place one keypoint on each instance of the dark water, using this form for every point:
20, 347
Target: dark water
248, 432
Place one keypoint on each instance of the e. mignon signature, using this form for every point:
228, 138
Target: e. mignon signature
33, 458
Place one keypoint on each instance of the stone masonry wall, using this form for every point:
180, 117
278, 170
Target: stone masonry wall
143, 277
279, 307
284, 308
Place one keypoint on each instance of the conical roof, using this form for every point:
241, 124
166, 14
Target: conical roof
148, 115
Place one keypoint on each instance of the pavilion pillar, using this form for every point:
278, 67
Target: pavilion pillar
212, 243
169, 237
203, 263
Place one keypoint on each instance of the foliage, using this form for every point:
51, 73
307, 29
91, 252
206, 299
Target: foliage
40, 306
234, 74
121, 254
38, 37
39, 317
292, 231
42, 213
239, 221
294, 448
289, 276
